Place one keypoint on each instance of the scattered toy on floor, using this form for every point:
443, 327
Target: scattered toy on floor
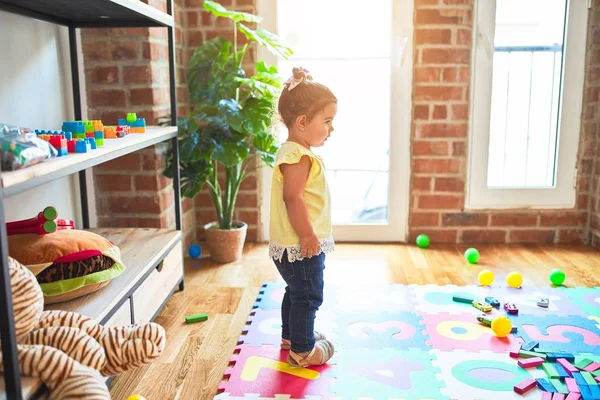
501, 326
486, 277
194, 250
423, 241
190, 319
472, 255
514, 280
557, 277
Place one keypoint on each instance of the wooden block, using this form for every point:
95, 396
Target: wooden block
461, 299
529, 346
559, 386
573, 396
556, 356
567, 365
584, 363
524, 386
562, 373
545, 385
592, 367
558, 396
550, 370
572, 385
530, 362
589, 378
514, 351
529, 354
545, 350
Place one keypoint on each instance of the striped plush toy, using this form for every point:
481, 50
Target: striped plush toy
69, 351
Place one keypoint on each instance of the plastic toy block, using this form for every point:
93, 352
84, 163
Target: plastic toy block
98, 126
92, 143
110, 132
196, 318
595, 389
529, 354
545, 385
529, 346
579, 379
524, 386
592, 367
545, 350
530, 362
596, 373
586, 393
571, 385
573, 396
556, 356
460, 299
137, 129
558, 396
514, 351
73, 127
79, 136
562, 373
589, 378
550, 370
559, 386
82, 146
122, 130
89, 126
546, 396
567, 365
131, 117
584, 363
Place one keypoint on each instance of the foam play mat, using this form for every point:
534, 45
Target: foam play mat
415, 342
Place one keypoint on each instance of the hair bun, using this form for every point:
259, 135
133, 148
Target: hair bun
300, 72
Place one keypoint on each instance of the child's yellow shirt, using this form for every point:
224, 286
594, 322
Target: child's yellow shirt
282, 235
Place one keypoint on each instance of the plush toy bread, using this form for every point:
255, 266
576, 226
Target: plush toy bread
68, 263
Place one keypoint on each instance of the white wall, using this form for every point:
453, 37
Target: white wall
35, 92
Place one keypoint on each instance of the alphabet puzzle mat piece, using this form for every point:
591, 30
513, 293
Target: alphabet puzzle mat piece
526, 299
588, 299
386, 298
386, 373
433, 299
449, 332
572, 334
263, 370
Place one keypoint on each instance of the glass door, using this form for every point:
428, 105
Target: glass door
360, 52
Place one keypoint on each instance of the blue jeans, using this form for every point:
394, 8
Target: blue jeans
303, 297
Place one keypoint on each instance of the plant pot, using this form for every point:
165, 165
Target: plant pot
226, 245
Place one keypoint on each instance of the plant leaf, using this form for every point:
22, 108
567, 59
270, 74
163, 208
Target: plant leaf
230, 154
237, 16
266, 147
231, 112
258, 113
266, 39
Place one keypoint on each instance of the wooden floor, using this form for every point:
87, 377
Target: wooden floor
197, 355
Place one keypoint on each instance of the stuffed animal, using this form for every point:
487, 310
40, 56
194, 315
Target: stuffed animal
69, 351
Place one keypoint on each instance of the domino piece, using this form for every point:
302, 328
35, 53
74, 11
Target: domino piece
592, 367
524, 386
562, 373
579, 379
530, 362
550, 370
462, 299
546, 396
529, 354
514, 351
556, 356
567, 365
529, 346
572, 385
596, 373
545, 350
597, 378
595, 389
190, 319
559, 386
589, 378
573, 396
586, 394
545, 385
583, 363
558, 396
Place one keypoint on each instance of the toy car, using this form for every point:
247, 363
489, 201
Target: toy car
492, 302
484, 319
511, 308
543, 302
482, 305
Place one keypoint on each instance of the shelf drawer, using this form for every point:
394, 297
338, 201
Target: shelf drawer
152, 293
122, 316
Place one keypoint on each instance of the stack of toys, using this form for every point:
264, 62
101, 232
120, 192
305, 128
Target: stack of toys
45, 222
136, 125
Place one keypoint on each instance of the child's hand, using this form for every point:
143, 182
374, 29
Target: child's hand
309, 246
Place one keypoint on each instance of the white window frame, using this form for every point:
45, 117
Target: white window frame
563, 194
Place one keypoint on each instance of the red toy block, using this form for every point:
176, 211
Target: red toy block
571, 385
573, 396
567, 365
530, 362
592, 367
524, 386
514, 351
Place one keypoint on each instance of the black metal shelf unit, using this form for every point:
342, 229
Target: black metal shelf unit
78, 14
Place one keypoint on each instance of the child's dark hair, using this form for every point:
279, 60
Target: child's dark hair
302, 96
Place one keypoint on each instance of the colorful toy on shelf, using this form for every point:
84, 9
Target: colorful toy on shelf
41, 224
77, 128
110, 132
92, 142
123, 130
82, 146
137, 125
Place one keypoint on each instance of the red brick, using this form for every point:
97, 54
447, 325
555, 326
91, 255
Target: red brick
436, 16
128, 162
155, 51
464, 74
456, 2
582, 201
439, 92
464, 36
104, 75
151, 182
113, 183
148, 96
135, 204
125, 51
203, 217
450, 74
203, 199
483, 236
449, 185
433, 36
459, 112
442, 130
138, 74
514, 219
247, 199
187, 204
424, 219
428, 74
459, 148
97, 51
421, 112
532, 236
110, 98
440, 112
420, 184
563, 219
429, 148
436, 166
207, 19
436, 235
592, 94
445, 56
250, 183
465, 219
420, 3
247, 216
570, 236
440, 202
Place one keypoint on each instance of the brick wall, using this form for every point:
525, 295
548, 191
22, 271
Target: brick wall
441, 89
591, 120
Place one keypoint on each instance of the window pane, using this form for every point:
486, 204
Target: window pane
526, 88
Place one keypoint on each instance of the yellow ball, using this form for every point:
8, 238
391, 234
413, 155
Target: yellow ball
136, 397
486, 277
514, 279
501, 326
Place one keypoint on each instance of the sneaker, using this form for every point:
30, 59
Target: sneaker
286, 344
319, 355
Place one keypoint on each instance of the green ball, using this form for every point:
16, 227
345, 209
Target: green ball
422, 241
472, 255
557, 277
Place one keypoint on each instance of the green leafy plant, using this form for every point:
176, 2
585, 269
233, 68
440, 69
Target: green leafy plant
228, 127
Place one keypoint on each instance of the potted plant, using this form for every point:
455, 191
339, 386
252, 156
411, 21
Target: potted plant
228, 128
